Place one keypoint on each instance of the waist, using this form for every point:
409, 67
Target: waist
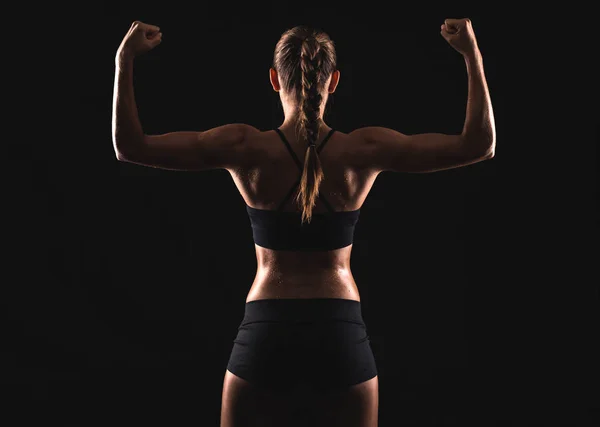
303, 284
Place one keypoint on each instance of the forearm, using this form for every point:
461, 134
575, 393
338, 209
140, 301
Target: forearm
127, 130
479, 128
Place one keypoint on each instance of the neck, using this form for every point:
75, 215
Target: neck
291, 122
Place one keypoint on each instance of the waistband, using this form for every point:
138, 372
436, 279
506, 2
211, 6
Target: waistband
303, 310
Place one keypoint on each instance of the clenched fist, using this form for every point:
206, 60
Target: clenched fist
139, 39
459, 33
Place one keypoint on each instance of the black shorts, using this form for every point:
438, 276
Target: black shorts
319, 343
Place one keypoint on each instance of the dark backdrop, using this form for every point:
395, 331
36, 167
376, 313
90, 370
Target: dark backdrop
477, 284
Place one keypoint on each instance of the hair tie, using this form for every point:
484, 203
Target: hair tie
312, 144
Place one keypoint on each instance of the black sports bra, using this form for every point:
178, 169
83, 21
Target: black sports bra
281, 230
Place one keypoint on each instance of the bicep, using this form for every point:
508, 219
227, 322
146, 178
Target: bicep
217, 148
390, 150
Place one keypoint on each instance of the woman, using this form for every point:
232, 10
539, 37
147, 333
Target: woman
302, 355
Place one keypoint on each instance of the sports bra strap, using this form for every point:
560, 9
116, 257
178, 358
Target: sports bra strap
300, 166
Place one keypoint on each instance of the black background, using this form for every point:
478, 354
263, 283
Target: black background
125, 285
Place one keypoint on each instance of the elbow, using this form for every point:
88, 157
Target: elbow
115, 144
120, 157
482, 148
490, 151
123, 157
480, 140
118, 152
123, 154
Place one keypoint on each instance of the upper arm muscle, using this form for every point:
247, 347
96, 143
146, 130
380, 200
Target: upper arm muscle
390, 150
218, 148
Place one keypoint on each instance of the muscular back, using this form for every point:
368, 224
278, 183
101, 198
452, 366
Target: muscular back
271, 171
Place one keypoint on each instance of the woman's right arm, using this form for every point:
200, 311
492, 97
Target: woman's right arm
389, 150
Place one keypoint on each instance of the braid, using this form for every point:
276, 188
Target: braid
305, 59
308, 125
